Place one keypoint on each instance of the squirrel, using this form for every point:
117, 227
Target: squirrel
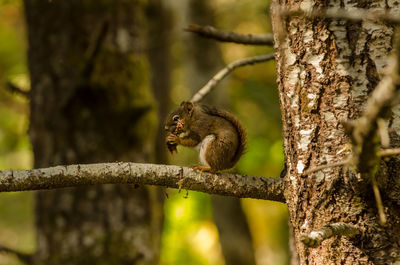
217, 134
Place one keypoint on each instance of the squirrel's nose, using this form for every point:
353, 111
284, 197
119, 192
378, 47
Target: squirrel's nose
166, 127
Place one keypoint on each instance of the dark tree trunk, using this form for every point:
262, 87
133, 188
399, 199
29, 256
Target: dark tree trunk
160, 24
91, 102
233, 229
327, 69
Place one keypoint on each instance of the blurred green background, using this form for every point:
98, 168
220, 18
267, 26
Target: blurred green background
190, 236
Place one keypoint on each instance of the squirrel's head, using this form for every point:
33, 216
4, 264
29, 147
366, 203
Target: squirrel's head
181, 114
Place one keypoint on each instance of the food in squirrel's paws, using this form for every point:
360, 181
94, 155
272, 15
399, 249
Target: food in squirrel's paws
178, 130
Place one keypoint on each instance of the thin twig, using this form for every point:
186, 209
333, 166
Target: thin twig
228, 184
213, 33
15, 89
25, 258
381, 153
389, 152
383, 133
338, 13
315, 238
328, 165
379, 203
225, 71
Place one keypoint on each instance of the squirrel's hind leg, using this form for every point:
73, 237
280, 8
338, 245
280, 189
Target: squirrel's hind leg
204, 169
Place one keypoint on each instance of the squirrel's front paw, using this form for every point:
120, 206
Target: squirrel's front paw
172, 139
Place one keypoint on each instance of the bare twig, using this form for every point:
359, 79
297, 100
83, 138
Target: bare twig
315, 238
25, 258
213, 33
267, 188
389, 152
15, 89
328, 165
383, 133
347, 161
225, 71
338, 13
379, 203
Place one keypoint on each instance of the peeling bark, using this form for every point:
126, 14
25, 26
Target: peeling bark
326, 70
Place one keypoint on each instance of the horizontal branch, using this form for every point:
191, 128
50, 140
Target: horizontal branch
15, 89
225, 71
266, 188
347, 161
389, 152
315, 238
25, 258
339, 13
325, 166
213, 33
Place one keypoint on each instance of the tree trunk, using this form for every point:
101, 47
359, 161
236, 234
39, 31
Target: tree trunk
326, 70
160, 24
233, 230
91, 102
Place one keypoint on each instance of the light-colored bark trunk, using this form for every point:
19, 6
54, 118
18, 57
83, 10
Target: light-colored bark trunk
326, 71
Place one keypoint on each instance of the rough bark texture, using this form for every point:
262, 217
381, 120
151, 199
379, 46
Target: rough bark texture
267, 188
326, 70
91, 102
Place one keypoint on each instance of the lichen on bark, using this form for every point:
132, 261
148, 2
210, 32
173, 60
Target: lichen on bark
327, 69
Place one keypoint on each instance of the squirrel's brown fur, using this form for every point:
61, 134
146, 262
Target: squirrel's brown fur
221, 137
235, 122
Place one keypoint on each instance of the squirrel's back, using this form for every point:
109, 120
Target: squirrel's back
236, 124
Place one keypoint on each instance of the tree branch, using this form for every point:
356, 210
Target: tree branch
328, 165
315, 238
389, 152
213, 33
15, 89
267, 188
25, 258
225, 71
338, 13
347, 161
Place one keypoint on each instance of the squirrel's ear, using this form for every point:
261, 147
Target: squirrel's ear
187, 106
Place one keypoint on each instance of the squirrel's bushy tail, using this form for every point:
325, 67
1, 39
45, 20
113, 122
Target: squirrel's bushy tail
235, 122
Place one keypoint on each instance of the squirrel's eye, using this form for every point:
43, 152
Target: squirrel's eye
175, 118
